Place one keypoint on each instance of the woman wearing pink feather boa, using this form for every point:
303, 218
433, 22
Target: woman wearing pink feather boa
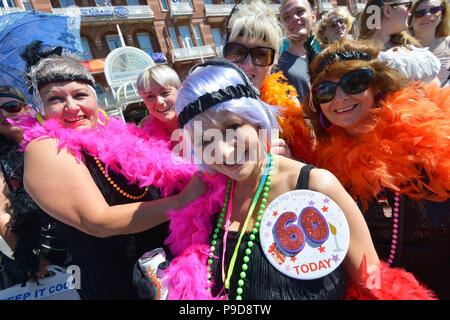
102, 181
222, 251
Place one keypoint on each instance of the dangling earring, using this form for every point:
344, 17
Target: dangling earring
39, 118
105, 115
322, 120
379, 97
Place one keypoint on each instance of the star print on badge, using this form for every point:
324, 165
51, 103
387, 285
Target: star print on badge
293, 258
275, 213
326, 200
325, 209
311, 203
321, 249
335, 257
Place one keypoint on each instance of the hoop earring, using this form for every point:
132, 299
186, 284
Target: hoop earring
209, 176
39, 118
105, 115
322, 121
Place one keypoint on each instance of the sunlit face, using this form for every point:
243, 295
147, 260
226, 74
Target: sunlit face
430, 20
72, 103
8, 130
349, 111
160, 101
336, 28
230, 145
398, 20
297, 18
256, 74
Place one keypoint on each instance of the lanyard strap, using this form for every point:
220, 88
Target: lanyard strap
244, 227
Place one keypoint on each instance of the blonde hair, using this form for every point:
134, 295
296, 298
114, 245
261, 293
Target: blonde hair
339, 11
256, 20
443, 28
402, 38
161, 74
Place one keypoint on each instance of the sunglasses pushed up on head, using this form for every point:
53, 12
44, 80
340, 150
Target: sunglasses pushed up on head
261, 56
354, 82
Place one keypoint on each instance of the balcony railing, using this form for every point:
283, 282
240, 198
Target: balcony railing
9, 10
106, 13
181, 9
182, 54
218, 9
325, 5
214, 10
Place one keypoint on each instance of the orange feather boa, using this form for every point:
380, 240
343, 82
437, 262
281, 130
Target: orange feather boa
406, 149
278, 92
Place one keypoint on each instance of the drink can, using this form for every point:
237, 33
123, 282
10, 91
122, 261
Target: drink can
149, 263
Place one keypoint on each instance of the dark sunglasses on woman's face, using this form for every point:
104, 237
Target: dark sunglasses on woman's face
261, 56
423, 12
353, 82
334, 23
12, 106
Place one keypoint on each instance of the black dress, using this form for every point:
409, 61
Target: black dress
106, 264
423, 244
264, 282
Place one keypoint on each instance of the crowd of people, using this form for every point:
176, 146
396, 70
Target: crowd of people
360, 118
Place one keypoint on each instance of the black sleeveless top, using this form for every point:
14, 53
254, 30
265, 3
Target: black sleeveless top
106, 264
423, 243
264, 282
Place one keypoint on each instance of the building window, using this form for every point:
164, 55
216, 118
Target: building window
164, 5
198, 36
186, 37
113, 42
7, 4
133, 2
174, 38
217, 37
144, 42
86, 53
66, 3
27, 5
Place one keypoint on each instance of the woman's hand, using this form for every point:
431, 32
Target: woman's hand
193, 190
280, 147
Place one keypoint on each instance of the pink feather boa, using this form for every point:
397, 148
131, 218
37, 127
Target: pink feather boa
134, 152
143, 155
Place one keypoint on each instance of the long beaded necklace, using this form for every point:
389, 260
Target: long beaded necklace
264, 185
114, 184
395, 222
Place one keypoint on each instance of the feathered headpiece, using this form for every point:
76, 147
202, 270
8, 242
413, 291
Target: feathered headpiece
36, 79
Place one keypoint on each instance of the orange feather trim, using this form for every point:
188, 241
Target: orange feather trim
406, 149
278, 92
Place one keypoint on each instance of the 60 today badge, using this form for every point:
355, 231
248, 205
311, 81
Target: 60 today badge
304, 234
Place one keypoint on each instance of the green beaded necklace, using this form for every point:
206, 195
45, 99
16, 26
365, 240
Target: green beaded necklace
264, 185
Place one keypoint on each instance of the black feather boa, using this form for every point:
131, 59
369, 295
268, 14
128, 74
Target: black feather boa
28, 219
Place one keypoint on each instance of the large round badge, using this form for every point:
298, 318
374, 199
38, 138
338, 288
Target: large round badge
304, 234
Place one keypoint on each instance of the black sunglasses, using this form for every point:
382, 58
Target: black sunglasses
432, 10
12, 106
334, 23
261, 56
406, 4
353, 82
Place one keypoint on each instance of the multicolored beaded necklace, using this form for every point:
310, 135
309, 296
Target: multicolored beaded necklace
264, 185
